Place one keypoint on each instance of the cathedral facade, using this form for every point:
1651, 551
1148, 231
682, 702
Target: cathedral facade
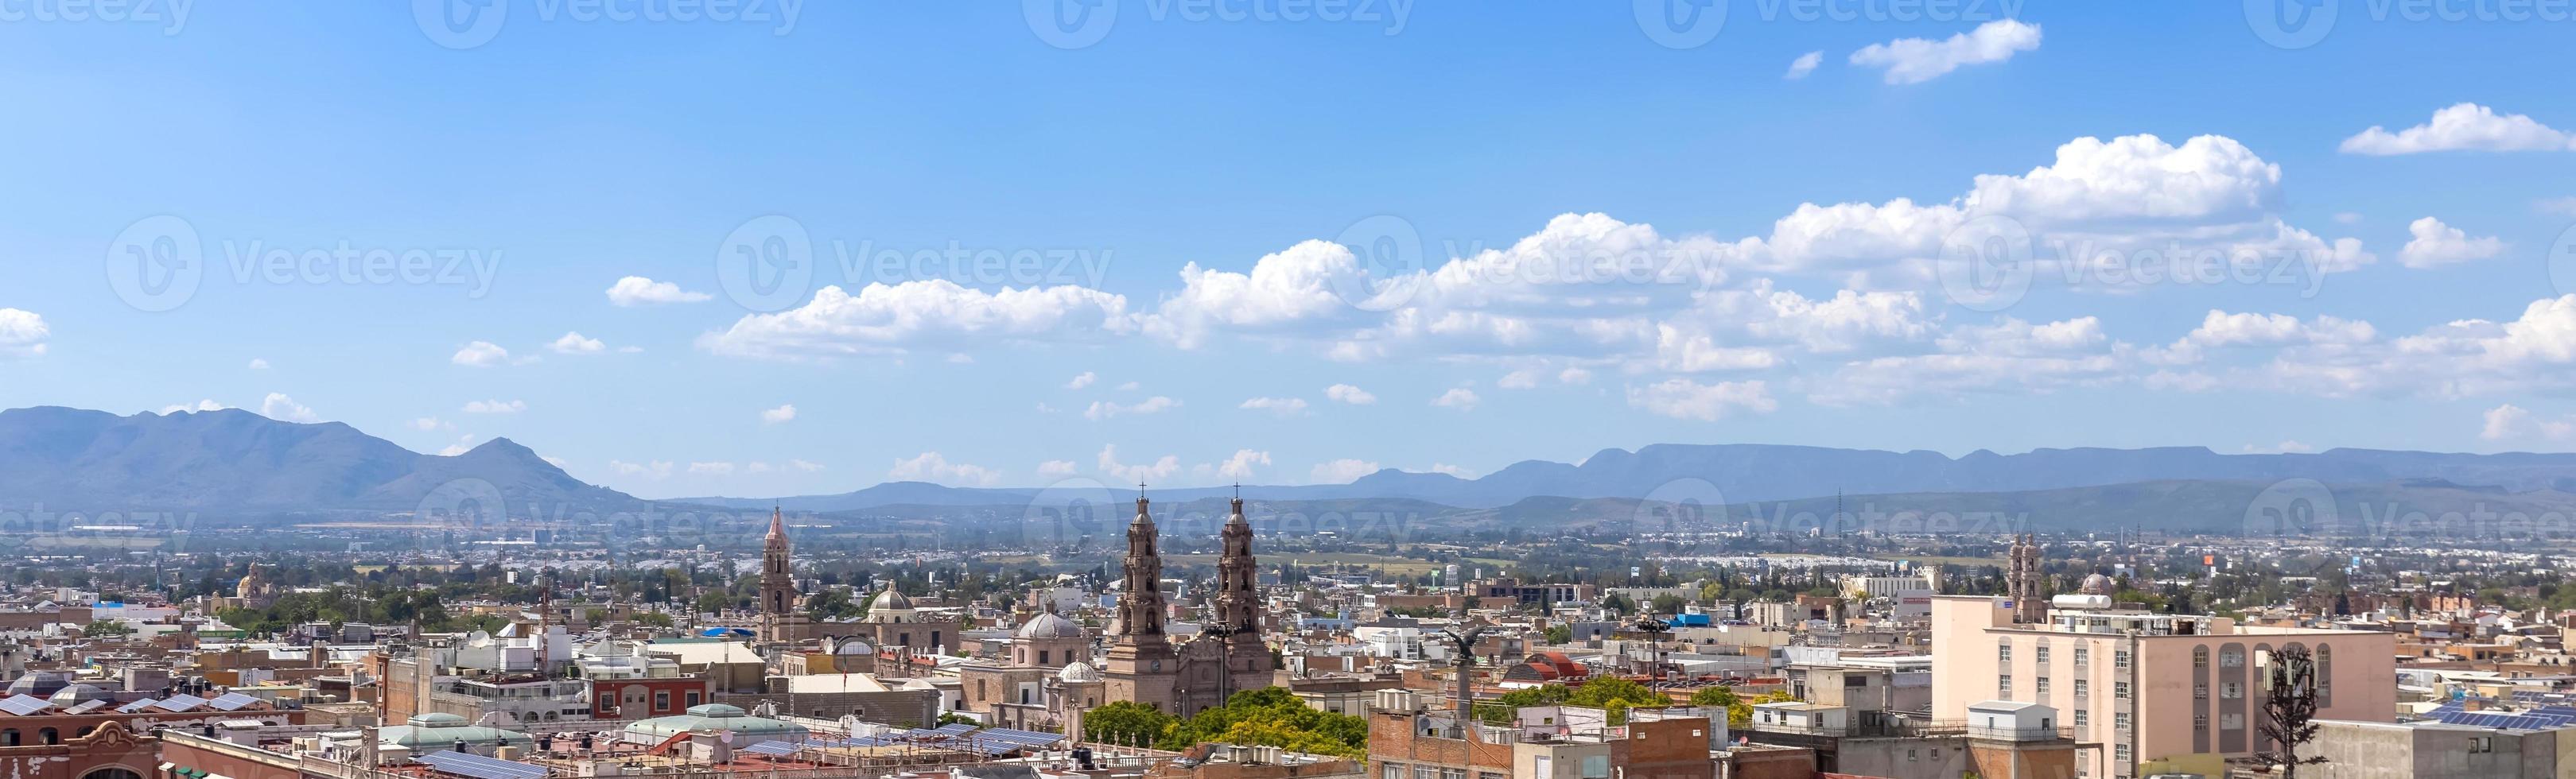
1226, 657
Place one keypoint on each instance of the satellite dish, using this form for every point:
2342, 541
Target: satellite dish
725, 738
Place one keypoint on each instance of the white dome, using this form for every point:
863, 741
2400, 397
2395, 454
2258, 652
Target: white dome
1050, 625
1077, 673
853, 646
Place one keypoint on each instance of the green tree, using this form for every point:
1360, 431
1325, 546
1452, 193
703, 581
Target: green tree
1126, 723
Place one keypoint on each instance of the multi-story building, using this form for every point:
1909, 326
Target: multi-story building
2160, 693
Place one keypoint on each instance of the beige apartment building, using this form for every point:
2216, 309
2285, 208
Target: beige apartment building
2145, 693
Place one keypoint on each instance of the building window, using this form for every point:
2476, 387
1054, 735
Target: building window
2120, 753
2120, 719
2003, 650
2200, 691
2003, 687
2120, 659
2083, 655
1390, 771
2083, 718
2200, 722
662, 700
693, 699
2200, 657
2233, 658
2481, 744
2041, 687
2231, 690
2040, 654
2083, 689
2120, 690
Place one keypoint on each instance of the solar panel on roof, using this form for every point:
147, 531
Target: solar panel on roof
955, 728
24, 705
136, 706
231, 701
85, 707
181, 702
772, 748
473, 766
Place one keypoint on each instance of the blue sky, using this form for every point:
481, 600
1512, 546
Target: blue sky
1716, 252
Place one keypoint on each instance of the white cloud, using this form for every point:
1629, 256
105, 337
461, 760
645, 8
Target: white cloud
1916, 60
1286, 407
576, 343
640, 291
2347, 217
801, 466
2436, 244
1129, 386
258, 364
496, 407
2463, 127
202, 405
2219, 329
933, 467
1081, 381
2560, 206
557, 462
1452, 470
1526, 378
1103, 409
279, 407
935, 314
1574, 376
464, 443
1147, 473
1685, 399
1240, 465
2284, 447
780, 415
1804, 64
22, 334
656, 469
1343, 471
1344, 393
1057, 469
711, 469
1459, 398
2509, 422
481, 354
427, 424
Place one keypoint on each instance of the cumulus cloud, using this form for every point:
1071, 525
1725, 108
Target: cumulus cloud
1286, 407
1686, 399
496, 407
801, 466
1104, 409
1526, 378
1459, 398
1452, 470
657, 469
1142, 474
640, 291
425, 424
2462, 127
464, 443
1343, 471
780, 415
1239, 466
202, 405
1804, 64
481, 354
279, 407
933, 467
2510, 422
1081, 381
935, 314
22, 334
576, 343
2435, 244
1057, 469
258, 364
1344, 393
1916, 60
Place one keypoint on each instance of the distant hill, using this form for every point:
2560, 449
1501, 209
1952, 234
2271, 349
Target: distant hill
234, 462
1765, 472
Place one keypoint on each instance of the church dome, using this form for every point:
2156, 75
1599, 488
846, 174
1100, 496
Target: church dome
1050, 625
2098, 584
853, 646
1077, 673
77, 694
892, 600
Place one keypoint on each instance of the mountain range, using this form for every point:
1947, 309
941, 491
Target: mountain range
235, 462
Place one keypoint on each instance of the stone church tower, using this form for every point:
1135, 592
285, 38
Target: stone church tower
782, 615
1228, 656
